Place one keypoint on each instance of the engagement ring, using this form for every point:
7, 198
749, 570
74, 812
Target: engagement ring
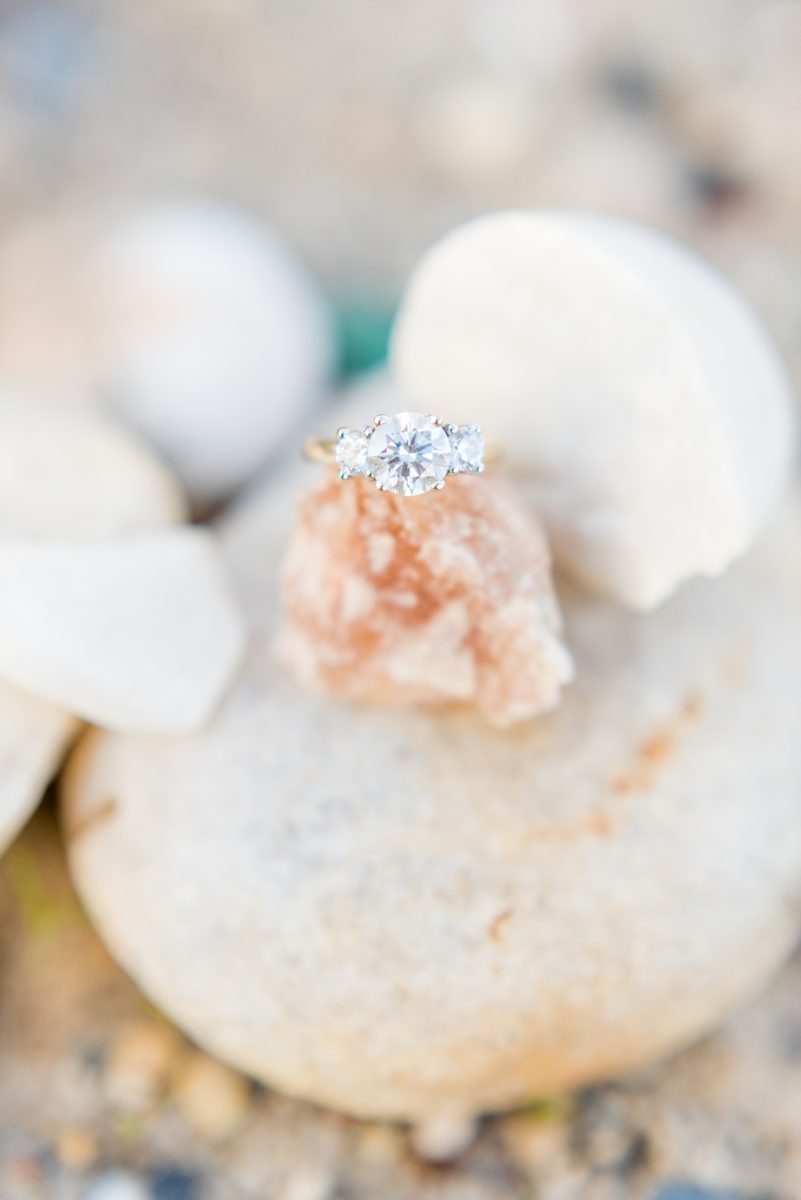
407, 454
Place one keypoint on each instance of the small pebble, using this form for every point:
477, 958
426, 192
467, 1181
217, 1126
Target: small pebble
309, 1183
631, 86
605, 1138
442, 1139
716, 189
24, 1169
139, 1063
536, 1145
694, 1191
115, 1185
213, 1099
474, 129
380, 1145
76, 1148
175, 1184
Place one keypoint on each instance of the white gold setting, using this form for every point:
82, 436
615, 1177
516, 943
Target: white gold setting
407, 454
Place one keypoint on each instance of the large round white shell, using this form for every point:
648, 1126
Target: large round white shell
407, 916
627, 383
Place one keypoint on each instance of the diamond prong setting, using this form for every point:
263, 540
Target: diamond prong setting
409, 453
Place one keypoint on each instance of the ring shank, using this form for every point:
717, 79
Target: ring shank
320, 450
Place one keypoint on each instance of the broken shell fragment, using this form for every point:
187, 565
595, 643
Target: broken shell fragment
107, 614
632, 389
34, 736
64, 474
139, 635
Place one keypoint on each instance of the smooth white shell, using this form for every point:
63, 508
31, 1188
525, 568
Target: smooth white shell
33, 738
106, 614
139, 634
73, 474
414, 917
63, 474
189, 319
628, 384
214, 342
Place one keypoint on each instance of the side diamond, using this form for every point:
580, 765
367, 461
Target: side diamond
351, 453
467, 448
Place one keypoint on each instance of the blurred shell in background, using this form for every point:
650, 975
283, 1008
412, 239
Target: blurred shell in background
635, 394
70, 473
191, 320
109, 613
63, 475
216, 342
403, 917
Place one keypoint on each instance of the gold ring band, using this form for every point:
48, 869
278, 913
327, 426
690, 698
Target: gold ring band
321, 450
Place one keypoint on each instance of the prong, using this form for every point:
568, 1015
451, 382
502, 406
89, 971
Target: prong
379, 486
368, 429
380, 419
451, 428
343, 474
434, 419
439, 486
341, 432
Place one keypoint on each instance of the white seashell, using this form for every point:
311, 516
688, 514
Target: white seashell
105, 614
33, 738
68, 473
139, 635
214, 342
629, 385
190, 319
418, 918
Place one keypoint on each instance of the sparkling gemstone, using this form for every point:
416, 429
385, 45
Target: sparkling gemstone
467, 444
351, 452
409, 454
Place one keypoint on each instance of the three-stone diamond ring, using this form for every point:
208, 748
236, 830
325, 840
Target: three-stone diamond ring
407, 454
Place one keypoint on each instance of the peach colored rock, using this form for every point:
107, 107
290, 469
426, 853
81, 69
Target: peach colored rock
443, 599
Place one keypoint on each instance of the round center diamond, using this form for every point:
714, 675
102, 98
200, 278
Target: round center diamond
409, 454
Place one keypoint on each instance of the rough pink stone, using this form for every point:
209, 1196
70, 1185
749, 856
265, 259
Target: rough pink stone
440, 599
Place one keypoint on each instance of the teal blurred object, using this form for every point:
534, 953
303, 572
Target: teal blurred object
362, 328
